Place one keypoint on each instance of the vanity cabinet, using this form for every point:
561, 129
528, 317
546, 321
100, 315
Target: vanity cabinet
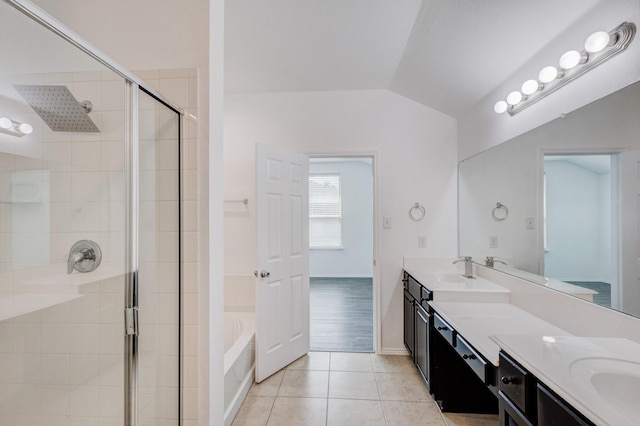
459, 378
462, 380
525, 401
417, 324
409, 313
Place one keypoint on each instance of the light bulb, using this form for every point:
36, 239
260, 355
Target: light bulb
500, 107
597, 41
570, 59
530, 87
25, 128
5, 123
548, 74
514, 97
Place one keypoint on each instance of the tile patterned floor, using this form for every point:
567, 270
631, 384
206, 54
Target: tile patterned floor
342, 388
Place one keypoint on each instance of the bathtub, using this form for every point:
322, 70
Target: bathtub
239, 358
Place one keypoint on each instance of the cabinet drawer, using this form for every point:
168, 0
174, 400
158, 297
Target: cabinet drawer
474, 360
414, 287
443, 328
513, 382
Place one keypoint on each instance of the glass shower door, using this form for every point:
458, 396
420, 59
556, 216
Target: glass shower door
159, 263
85, 155
62, 180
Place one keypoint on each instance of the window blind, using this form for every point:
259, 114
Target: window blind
325, 211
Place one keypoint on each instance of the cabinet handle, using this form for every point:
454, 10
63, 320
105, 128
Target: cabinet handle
466, 356
440, 328
508, 380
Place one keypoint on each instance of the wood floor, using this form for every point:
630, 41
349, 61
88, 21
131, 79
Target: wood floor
341, 314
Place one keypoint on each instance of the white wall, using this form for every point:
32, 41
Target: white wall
355, 258
415, 151
481, 128
576, 210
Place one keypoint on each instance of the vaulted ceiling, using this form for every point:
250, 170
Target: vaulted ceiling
445, 54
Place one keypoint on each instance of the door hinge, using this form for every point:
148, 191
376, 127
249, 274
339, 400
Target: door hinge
131, 321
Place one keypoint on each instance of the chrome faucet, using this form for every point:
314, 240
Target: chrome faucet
491, 260
84, 256
468, 266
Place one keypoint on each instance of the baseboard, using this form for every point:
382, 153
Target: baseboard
393, 351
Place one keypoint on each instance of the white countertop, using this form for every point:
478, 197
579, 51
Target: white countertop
447, 282
477, 321
563, 363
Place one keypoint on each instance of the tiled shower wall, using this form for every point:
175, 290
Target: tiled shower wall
61, 346
61, 339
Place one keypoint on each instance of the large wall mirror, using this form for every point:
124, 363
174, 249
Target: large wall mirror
560, 204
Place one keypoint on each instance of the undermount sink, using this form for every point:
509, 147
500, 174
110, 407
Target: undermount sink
615, 381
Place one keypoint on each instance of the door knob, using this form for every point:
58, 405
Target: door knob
263, 274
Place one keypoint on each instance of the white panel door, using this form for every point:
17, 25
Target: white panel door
628, 297
282, 277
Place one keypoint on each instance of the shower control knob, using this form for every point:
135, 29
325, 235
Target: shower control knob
262, 274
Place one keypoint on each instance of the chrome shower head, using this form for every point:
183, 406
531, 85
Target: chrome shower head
58, 108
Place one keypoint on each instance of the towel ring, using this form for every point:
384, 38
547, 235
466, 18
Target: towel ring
500, 212
417, 212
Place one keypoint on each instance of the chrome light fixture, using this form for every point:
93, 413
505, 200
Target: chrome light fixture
599, 47
14, 128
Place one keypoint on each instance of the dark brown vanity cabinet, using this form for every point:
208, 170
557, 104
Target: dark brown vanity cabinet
417, 327
524, 401
459, 378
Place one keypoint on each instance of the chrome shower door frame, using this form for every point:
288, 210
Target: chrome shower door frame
134, 86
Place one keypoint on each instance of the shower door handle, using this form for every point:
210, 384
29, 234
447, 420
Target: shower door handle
263, 274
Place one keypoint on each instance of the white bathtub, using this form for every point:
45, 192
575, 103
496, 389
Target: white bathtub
239, 358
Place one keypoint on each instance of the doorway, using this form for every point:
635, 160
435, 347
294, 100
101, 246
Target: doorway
580, 232
341, 254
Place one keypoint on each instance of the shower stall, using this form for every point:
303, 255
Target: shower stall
89, 234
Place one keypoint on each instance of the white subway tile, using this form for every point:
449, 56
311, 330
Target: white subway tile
55, 369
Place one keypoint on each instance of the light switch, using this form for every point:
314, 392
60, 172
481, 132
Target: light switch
493, 241
422, 241
386, 222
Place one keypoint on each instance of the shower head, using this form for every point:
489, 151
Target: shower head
58, 108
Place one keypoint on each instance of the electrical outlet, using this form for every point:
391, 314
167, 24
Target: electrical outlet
530, 223
493, 241
422, 241
386, 222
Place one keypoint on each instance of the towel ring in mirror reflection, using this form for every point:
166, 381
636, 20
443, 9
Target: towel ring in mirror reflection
500, 212
417, 212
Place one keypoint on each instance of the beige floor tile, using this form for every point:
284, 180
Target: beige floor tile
304, 384
268, 387
458, 419
349, 412
401, 387
298, 411
353, 385
403, 413
392, 364
254, 411
311, 361
349, 361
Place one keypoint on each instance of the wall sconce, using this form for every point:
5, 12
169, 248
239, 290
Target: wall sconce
14, 128
599, 47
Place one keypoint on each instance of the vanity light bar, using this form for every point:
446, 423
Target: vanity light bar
599, 47
14, 128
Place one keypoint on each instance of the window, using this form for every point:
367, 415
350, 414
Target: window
325, 212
